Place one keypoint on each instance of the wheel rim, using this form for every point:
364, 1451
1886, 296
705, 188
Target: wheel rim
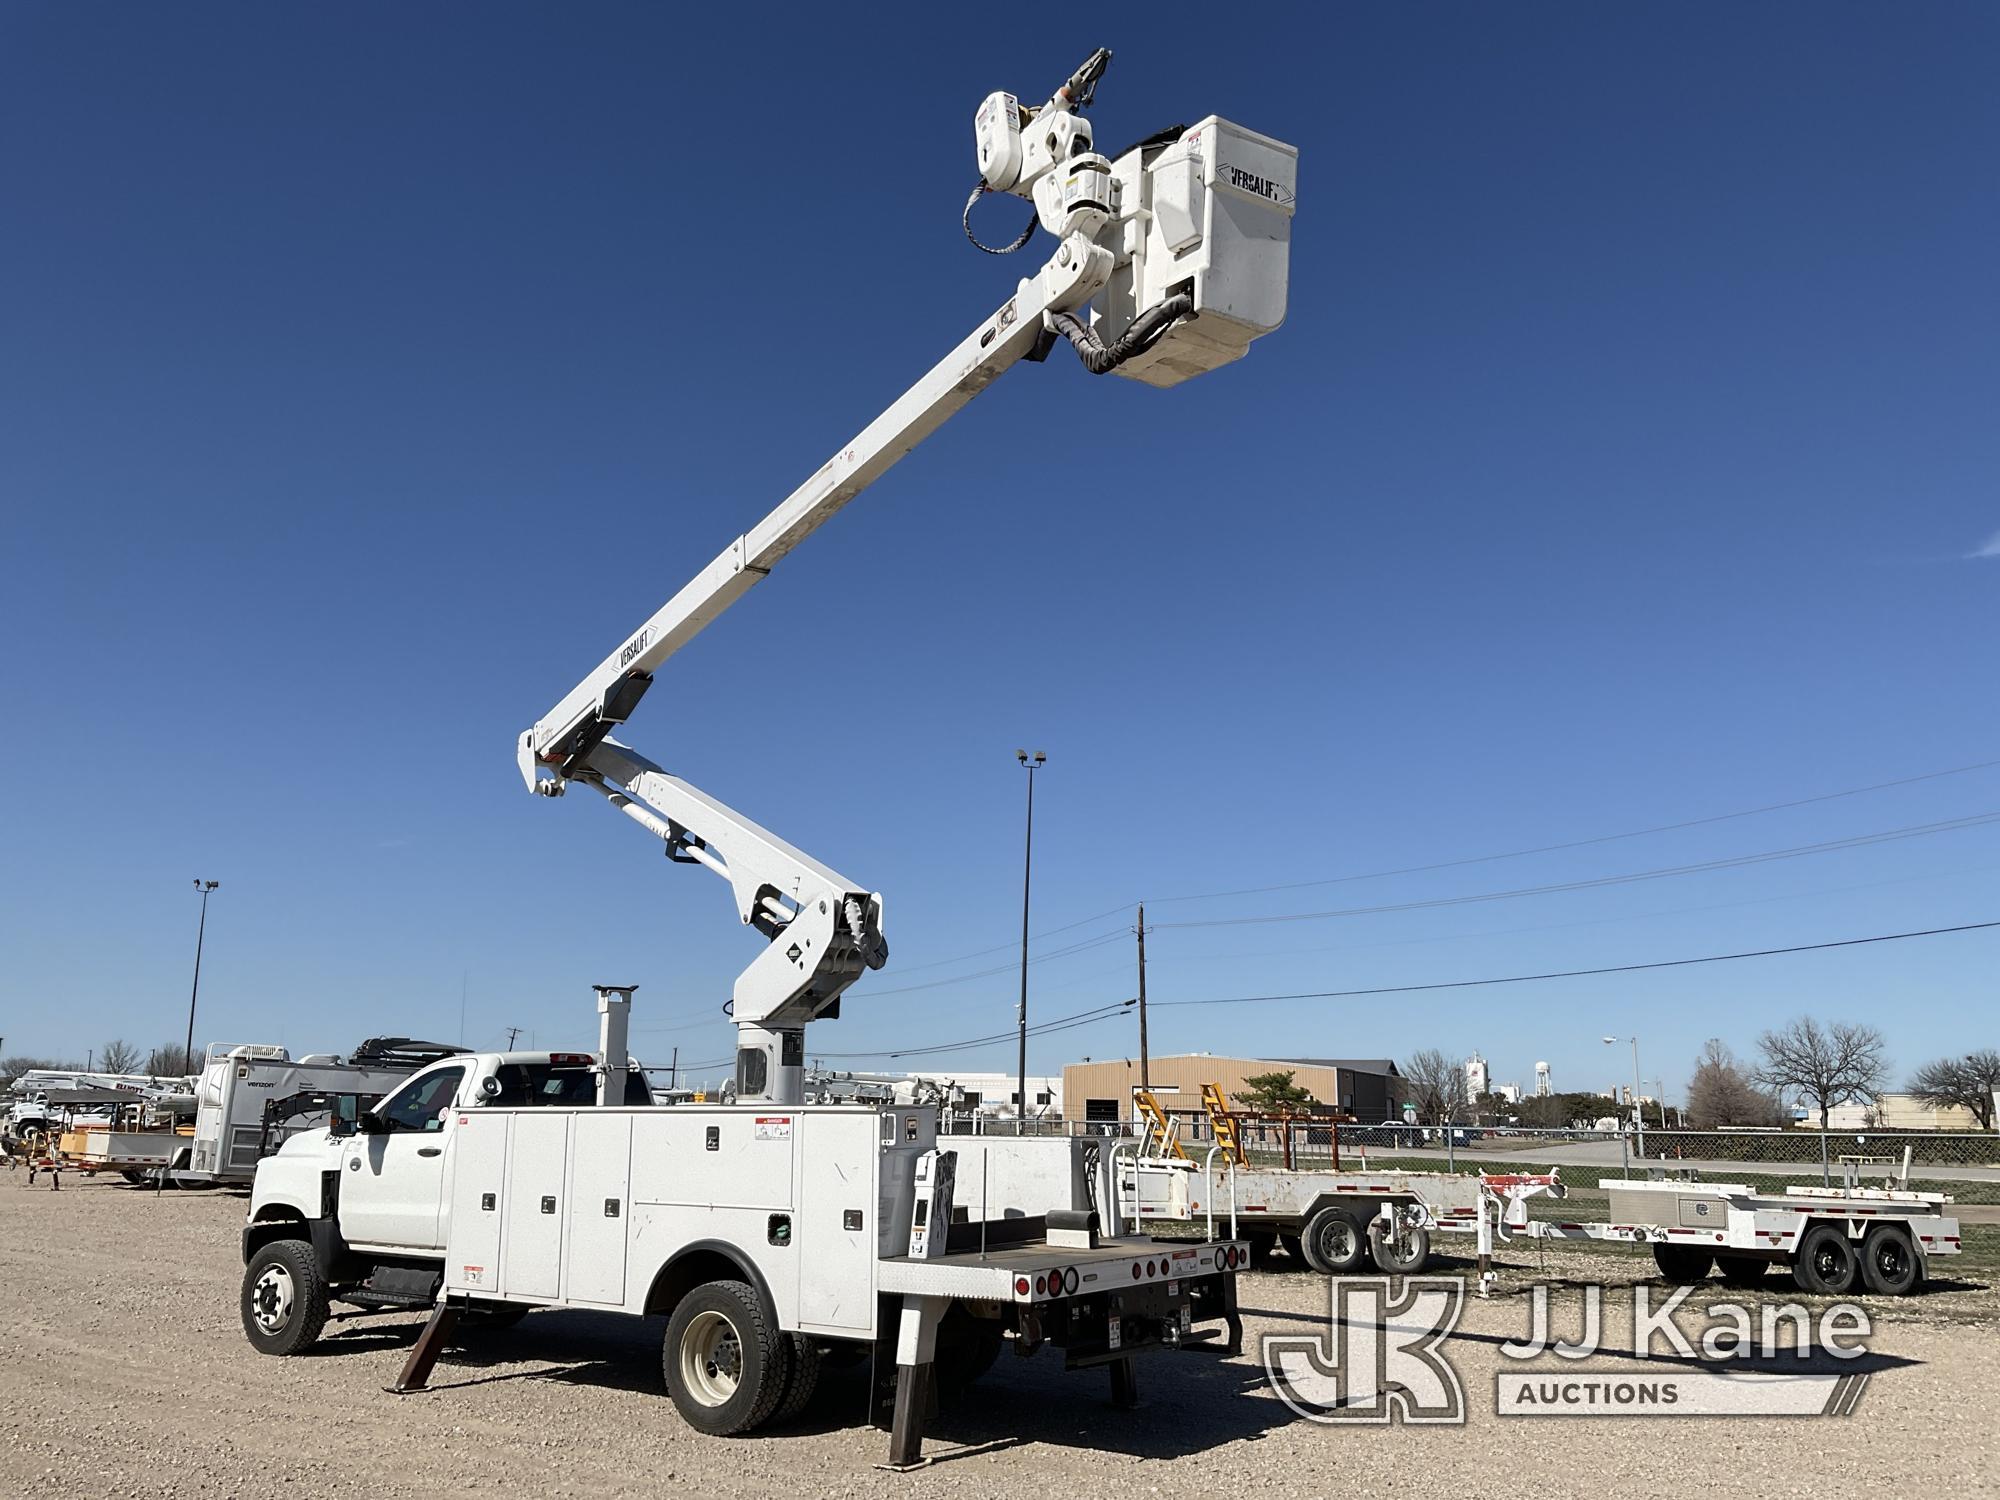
711, 1359
271, 1299
1830, 1261
1890, 1262
1337, 1242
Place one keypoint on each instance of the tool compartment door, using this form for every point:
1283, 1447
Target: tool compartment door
478, 1193
532, 1209
836, 1228
600, 1174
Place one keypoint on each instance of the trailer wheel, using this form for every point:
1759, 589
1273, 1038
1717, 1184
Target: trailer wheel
133, 1175
1889, 1263
284, 1298
1826, 1262
1743, 1270
1683, 1265
1403, 1253
803, 1380
724, 1360
1334, 1242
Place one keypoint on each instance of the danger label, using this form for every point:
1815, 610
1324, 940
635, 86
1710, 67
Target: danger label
773, 1128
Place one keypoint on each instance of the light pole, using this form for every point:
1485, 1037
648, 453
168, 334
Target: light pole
200, 932
1032, 765
1638, 1109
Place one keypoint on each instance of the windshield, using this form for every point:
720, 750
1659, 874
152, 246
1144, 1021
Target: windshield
527, 1084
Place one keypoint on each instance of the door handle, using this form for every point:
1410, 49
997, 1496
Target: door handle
430, 1150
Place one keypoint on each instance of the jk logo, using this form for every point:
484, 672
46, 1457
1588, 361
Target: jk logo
1381, 1358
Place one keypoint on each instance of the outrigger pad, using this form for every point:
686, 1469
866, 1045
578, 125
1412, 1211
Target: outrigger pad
416, 1371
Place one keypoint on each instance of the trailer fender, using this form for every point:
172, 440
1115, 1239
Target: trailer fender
701, 1262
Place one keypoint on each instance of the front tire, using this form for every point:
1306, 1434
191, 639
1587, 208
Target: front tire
1826, 1264
284, 1299
725, 1362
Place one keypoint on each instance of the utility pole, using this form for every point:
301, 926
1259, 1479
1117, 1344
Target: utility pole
1145, 1062
674, 1070
1027, 876
1638, 1087
205, 887
512, 1032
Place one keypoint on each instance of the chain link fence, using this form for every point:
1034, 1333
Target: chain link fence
1305, 1142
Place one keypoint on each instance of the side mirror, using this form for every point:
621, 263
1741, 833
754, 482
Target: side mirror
340, 1127
369, 1123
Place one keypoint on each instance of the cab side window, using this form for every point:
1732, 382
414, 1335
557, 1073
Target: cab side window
420, 1105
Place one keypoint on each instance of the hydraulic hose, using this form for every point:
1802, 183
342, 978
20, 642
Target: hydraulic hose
1101, 358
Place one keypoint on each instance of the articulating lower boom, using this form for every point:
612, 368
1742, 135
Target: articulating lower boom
1183, 247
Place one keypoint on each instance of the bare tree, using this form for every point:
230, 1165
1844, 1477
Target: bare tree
172, 1060
1968, 1081
1824, 1065
117, 1056
13, 1067
1722, 1092
1436, 1085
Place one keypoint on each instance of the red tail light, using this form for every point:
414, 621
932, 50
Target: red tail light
1020, 1286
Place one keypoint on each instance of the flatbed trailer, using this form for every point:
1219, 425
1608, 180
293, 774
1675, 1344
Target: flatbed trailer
1330, 1218
1833, 1240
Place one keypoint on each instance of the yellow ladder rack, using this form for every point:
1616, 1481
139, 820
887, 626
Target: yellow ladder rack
1223, 1121
1159, 1129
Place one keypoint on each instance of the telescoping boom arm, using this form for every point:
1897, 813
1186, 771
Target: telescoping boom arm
1169, 263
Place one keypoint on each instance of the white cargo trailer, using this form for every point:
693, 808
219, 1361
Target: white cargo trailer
238, 1081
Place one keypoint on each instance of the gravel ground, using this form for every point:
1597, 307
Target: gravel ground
126, 1374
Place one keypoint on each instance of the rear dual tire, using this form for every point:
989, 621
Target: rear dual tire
727, 1365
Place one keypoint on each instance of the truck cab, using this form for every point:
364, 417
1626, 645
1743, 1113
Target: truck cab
370, 1198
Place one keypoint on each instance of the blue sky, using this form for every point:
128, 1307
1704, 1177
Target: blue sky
1628, 458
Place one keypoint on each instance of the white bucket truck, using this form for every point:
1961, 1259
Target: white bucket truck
769, 1230
768, 1237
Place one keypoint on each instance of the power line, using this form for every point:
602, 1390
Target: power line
1106, 1012
1069, 952
1856, 841
1633, 916
939, 963
1060, 1023
1606, 838
1451, 864
1664, 963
